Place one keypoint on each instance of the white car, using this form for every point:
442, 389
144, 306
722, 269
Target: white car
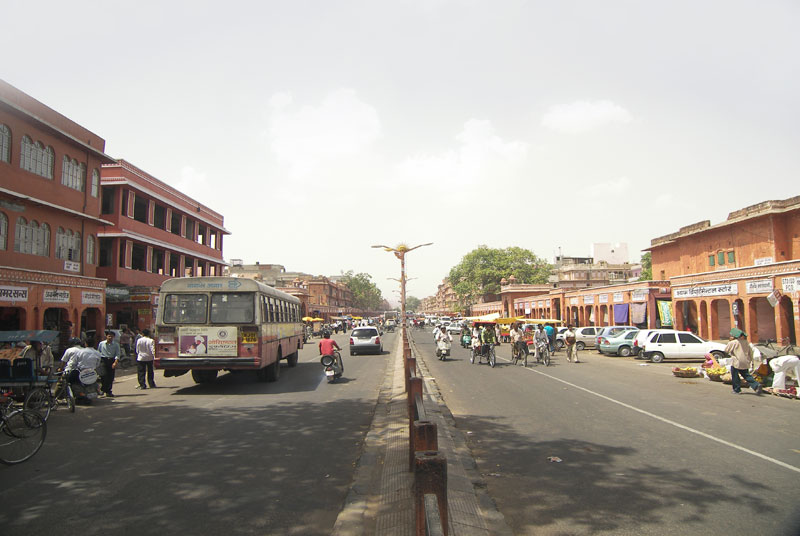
684, 345
454, 329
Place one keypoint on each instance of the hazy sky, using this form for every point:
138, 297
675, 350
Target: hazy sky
319, 128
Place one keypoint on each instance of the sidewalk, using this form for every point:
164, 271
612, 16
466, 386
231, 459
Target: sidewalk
380, 500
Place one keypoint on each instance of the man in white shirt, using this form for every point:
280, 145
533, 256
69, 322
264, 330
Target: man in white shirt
145, 354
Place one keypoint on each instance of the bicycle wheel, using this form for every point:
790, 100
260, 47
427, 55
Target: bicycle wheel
40, 401
70, 399
22, 434
492, 358
546, 357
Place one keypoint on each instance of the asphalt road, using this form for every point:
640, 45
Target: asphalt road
233, 457
642, 452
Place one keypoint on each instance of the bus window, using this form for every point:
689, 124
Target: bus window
232, 307
185, 308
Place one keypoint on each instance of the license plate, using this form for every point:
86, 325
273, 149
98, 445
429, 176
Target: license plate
329, 372
249, 337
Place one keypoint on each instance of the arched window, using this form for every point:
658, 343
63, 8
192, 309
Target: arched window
37, 158
90, 249
73, 174
44, 242
95, 183
5, 143
22, 237
3, 231
68, 245
61, 243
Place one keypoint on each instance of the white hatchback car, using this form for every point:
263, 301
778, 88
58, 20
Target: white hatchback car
664, 344
365, 339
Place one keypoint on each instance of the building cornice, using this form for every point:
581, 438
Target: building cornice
54, 206
165, 245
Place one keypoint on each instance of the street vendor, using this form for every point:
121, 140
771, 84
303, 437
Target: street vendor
741, 353
780, 366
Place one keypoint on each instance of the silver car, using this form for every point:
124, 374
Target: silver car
365, 339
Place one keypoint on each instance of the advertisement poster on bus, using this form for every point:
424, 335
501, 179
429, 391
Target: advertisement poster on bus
197, 341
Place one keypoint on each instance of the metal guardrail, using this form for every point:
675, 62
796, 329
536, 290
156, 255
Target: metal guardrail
424, 459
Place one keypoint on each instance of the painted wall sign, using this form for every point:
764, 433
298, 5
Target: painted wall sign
763, 260
55, 296
588, 300
727, 289
13, 294
790, 284
759, 286
639, 295
89, 297
573, 301
602, 298
618, 297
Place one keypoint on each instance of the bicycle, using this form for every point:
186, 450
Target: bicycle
491, 359
42, 400
543, 354
768, 349
517, 354
22, 433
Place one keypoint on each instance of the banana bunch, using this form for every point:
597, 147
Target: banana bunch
717, 371
686, 369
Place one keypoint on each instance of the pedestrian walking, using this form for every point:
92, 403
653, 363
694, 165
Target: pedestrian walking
569, 338
110, 352
145, 354
741, 354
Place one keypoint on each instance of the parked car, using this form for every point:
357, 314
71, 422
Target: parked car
454, 329
560, 342
642, 337
365, 339
685, 345
612, 331
618, 343
584, 337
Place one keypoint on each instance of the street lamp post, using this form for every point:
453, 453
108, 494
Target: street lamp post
400, 252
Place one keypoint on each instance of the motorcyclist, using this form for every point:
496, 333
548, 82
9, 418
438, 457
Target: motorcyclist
442, 335
79, 360
328, 346
540, 340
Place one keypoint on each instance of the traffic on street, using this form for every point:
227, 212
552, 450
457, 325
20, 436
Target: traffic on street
618, 445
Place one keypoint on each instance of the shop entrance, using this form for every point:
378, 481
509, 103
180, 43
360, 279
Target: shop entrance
762, 320
12, 318
787, 319
720, 319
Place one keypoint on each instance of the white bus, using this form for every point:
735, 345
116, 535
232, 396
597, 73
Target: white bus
208, 324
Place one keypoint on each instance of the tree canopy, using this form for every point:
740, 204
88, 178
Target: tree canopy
481, 270
412, 303
365, 294
647, 268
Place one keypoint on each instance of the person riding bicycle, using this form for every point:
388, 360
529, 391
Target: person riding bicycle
520, 345
328, 346
488, 338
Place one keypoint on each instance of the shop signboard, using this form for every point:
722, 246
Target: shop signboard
639, 295
790, 284
618, 297
13, 294
728, 289
759, 286
204, 340
573, 301
547, 303
52, 295
602, 298
588, 300
70, 266
89, 297
763, 261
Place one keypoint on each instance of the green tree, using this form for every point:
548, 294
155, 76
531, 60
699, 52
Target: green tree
647, 268
365, 294
481, 270
412, 303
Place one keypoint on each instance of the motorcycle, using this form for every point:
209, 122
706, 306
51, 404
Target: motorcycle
334, 367
443, 348
466, 340
86, 387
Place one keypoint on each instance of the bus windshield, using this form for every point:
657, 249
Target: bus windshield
232, 307
185, 308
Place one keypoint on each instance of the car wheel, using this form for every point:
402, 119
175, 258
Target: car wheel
559, 344
717, 355
657, 357
624, 351
580, 345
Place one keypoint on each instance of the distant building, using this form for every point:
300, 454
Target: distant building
610, 253
582, 272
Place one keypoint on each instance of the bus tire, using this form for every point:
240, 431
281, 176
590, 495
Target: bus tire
273, 371
204, 376
291, 359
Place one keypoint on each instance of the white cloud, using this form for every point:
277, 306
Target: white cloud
582, 116
342, 126
620, 185
480, 155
